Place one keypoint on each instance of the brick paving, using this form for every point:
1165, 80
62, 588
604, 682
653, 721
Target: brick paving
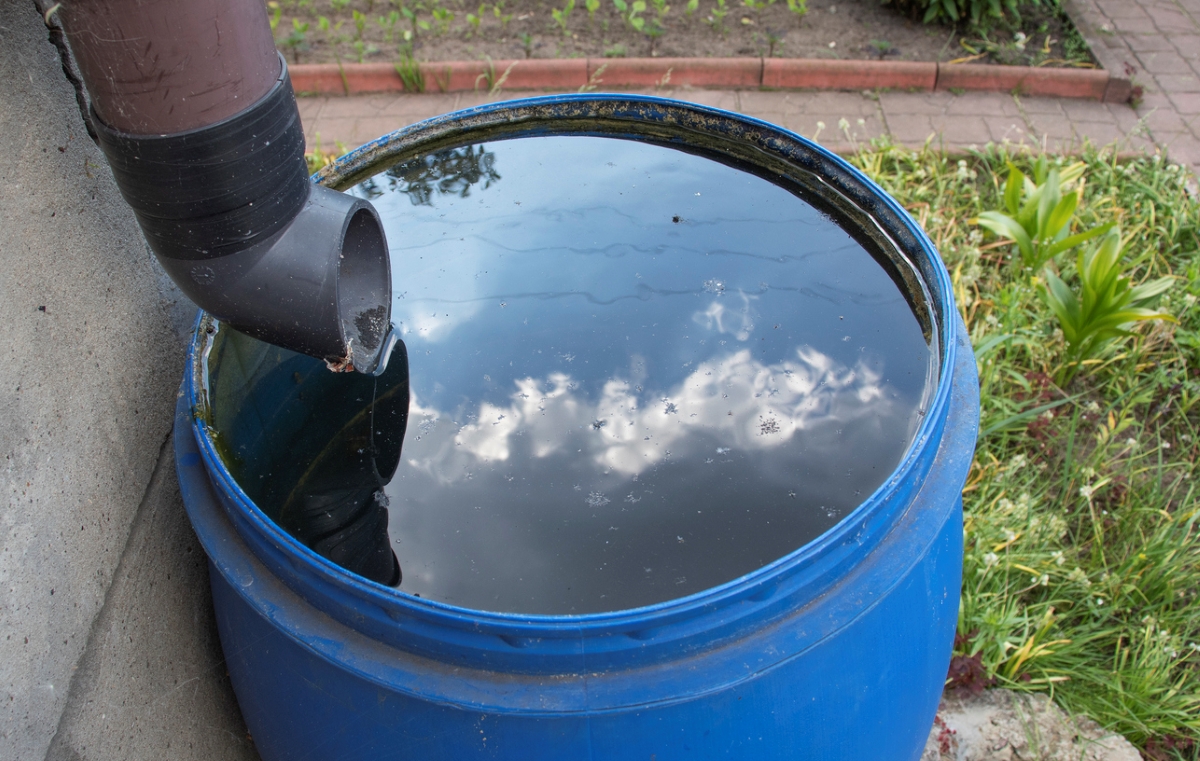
1156, 42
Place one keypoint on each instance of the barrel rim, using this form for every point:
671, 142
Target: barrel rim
799, 576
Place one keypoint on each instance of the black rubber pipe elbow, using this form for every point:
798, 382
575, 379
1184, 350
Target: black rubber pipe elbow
231, 214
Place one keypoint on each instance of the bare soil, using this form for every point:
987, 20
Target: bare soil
449, 30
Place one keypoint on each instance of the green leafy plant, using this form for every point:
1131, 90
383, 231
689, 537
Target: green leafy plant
631, 13
690, 9
592, 6
1103, 307
339, 5
615, 51
410, 74
1039, 214
798, 8
562, 16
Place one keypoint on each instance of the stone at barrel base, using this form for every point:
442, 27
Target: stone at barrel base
1001, 725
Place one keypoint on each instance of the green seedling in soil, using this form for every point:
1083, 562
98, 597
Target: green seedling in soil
691, 7
475, 19
501, 16
360, 23
416, 23
592, 6
388, 25
1104, 305
410, 74
274, 14
443, 17
339, 5
882, 48
615, 51
661, 9
757, 5
333, 35
1039, 215
562, 16
631, 13
716, 19
798, 8
297, 40
774, 38
527, 44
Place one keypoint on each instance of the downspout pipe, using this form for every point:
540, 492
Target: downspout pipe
195, 112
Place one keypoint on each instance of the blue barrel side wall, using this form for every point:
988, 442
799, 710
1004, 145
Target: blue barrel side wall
311, 688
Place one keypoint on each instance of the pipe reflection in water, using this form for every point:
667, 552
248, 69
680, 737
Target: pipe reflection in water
314, 449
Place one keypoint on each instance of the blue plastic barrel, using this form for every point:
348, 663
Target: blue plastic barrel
838, 650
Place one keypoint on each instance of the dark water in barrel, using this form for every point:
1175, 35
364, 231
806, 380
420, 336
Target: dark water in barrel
635, 373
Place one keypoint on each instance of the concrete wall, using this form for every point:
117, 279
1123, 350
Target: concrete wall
107, 647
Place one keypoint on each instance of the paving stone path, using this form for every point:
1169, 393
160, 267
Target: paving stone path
1156, 42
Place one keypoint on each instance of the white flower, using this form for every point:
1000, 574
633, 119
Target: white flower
1079, 577
1092, 407
990, 560
1087, 491
1017, 462
1058, 558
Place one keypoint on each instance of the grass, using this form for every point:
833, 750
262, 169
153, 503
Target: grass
1082, 562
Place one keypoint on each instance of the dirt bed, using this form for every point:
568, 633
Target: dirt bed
324, 31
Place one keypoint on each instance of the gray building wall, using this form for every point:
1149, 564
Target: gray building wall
107, 645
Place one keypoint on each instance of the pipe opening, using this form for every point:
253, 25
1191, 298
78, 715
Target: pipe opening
363, 279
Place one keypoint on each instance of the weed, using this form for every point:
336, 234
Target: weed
798, 8
410, 74
594, 79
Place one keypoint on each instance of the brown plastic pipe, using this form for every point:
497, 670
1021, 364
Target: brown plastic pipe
168, 66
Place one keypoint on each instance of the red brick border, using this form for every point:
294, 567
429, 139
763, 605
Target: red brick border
738, 73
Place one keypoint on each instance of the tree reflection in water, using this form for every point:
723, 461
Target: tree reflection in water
448, 172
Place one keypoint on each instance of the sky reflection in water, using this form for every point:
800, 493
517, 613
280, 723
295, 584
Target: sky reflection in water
635, 373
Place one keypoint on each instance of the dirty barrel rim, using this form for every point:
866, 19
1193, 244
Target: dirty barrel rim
652, 633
